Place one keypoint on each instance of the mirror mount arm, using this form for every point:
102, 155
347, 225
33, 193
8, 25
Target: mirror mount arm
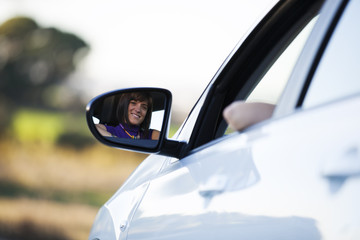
172, 148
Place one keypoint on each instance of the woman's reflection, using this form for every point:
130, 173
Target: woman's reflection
134, 116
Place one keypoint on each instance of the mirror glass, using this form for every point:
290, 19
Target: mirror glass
133, 118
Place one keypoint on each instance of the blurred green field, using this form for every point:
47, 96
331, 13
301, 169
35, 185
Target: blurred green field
54, 176
50, 128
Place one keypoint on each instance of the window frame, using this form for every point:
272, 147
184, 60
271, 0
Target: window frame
299, 81
335, 94
249, 64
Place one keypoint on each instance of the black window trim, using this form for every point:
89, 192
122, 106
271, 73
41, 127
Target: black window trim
245, 64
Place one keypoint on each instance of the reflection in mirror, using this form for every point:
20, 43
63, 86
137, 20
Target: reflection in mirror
129, 116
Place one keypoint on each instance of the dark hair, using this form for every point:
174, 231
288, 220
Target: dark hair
123, 106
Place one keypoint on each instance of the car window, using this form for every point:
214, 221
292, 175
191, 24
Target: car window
272, 84
337, 75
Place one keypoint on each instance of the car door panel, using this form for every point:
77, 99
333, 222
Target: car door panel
235, 188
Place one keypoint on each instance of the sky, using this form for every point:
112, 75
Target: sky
174, 44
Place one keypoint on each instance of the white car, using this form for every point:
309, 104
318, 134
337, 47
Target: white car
295, 175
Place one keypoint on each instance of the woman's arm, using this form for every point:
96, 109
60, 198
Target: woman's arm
102, 130
240, 114
155, 135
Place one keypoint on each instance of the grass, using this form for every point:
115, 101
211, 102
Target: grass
91, 198
30, 125
24, 218
46, 187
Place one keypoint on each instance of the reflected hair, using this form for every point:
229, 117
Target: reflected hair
123, 106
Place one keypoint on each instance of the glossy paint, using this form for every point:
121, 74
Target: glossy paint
113, 218
262, 184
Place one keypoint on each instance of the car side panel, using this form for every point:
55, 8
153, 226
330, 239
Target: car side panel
294, 178
113, 218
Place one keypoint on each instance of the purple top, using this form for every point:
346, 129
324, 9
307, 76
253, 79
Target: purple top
127, 131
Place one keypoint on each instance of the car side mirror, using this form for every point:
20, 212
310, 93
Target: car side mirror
132, 119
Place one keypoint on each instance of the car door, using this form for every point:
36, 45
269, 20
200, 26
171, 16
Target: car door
220, 189
308, 160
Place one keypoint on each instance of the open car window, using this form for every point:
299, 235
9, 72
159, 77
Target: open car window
272, 84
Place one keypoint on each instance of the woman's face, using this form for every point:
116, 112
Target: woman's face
137, 111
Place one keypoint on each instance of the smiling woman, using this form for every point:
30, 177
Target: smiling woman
133, 115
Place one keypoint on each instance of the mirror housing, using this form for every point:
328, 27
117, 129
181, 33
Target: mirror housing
134, 119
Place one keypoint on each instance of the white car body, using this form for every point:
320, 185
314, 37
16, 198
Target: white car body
293, 176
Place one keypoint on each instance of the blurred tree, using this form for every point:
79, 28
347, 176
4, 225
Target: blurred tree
34, 62
34, 58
